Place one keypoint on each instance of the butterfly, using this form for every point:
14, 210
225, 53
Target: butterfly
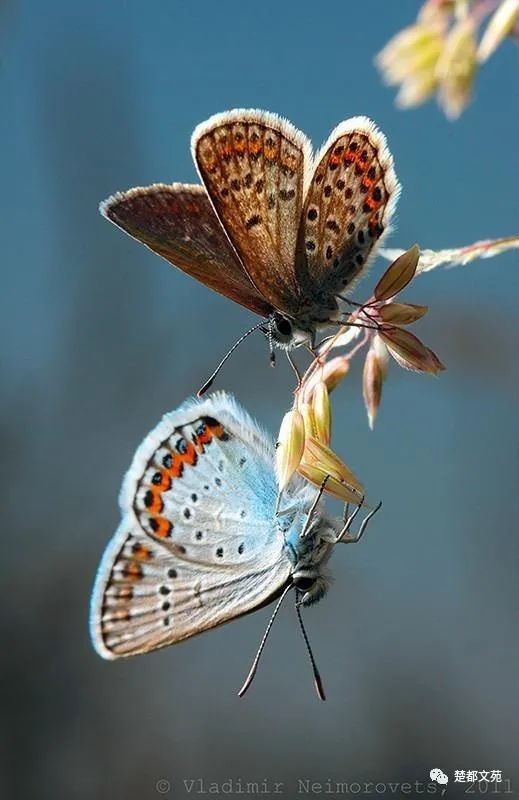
273, 227
204, 537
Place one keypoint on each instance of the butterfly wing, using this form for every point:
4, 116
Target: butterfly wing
348, 205
177, 221
197, 545
252, 164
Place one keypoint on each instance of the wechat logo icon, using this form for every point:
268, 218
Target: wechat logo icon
438, 776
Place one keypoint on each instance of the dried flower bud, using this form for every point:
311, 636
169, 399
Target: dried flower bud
378, 346
322, 412
375, 371
316, 473
290, 446
334, 371
402, 313
409, 352
439, 367
397, 275
456, 69
346, 335
501, 24
331, 373
307, 413
319, 462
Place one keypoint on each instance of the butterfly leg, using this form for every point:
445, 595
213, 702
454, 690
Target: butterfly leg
311, 348
311, 511
347, 520
344, 535
295, 370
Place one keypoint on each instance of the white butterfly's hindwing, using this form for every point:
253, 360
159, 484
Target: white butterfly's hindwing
197, 545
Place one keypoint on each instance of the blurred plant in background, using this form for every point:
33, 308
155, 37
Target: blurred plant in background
440, 53
304, 438
303, 444
387, 321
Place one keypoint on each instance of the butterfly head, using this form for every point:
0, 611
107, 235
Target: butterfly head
309, 553
285, 333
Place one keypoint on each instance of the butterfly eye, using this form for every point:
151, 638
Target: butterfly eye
283, 325
304, 584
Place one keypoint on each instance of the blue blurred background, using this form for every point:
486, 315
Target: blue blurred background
417, 640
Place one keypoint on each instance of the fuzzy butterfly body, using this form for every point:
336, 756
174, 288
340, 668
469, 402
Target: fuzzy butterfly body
274, 228
200, 542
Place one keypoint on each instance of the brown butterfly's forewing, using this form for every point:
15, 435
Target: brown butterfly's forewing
348, 204
252, 164
178, 222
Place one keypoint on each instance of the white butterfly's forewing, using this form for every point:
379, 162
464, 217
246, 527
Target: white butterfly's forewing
197, 545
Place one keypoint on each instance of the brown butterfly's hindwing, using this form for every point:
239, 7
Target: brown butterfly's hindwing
347, 207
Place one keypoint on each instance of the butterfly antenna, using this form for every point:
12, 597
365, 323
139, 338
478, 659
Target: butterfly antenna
210, 381
317, 677
253, 669
271, 344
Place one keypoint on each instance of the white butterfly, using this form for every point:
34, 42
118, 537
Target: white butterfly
200, 540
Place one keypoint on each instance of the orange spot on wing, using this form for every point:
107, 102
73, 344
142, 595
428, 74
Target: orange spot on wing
157, 503
177, 466
165, 481
132, 571
190, 456
163, 528
141, 552
199, 446
226, 150
204, 438
217, 430
372, 204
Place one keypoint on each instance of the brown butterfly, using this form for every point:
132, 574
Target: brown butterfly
275, 228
